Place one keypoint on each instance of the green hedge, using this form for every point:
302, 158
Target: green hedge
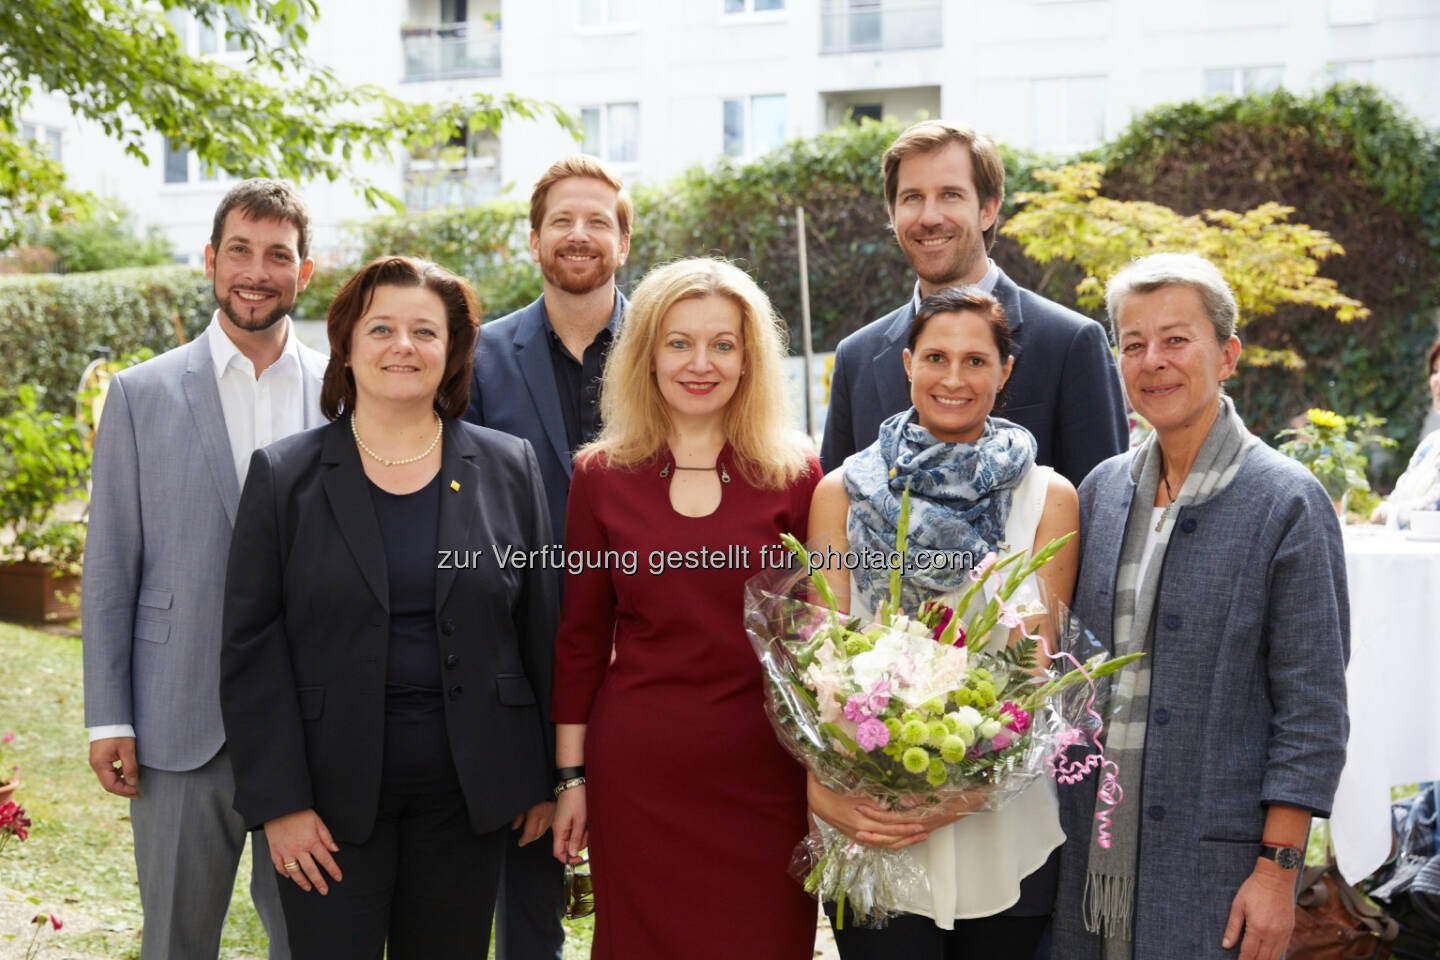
746, 212
486, 244
1352, 163
49, 323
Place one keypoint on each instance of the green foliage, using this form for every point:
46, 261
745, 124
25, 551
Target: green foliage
120, 65
486, 244
42, 464
746, 212
1353, 164
53, 322
1333, 447
107, 240
1267, 260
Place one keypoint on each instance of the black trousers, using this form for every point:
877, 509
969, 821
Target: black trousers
917, 938
530, 914
424, 882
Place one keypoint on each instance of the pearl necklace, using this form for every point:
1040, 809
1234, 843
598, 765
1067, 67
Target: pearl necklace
439, 428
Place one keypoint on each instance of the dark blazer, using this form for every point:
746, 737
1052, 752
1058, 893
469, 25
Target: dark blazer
1247, 694
1065, 388
512, 388
306, 630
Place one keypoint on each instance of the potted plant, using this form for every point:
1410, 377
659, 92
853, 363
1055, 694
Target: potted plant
1333, 448
43, 464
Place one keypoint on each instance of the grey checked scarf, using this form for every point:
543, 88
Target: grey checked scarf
959, 500
1110, 882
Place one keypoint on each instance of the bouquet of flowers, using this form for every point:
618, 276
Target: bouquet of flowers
919, 709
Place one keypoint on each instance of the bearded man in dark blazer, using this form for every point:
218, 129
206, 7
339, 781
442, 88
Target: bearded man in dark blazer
537, 376
943, 185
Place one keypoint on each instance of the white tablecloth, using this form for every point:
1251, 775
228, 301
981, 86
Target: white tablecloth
1393, 683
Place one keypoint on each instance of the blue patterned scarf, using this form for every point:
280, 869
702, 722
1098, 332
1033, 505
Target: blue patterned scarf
959, 501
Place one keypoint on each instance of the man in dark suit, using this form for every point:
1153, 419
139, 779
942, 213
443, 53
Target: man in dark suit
537, 376
943, 185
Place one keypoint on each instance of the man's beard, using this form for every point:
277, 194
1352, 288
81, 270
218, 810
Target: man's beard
248, 321
562, 275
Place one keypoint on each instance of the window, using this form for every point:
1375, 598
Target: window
855, 112
1345, 12
753, 125
753, 6
1238, 81
201, 38
1067, 112
47, 140
1361, 71
177, 162
607, 13
612, 131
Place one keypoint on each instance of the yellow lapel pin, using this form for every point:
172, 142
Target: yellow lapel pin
455, 485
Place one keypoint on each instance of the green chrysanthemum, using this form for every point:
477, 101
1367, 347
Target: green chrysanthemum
854, 646
938, 733
916, 760
965, 732
935, 775
935, 706
893, 726
950, 723
953, 749
915, 732
962, 697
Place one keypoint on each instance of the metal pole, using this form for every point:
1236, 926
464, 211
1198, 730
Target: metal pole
805, 319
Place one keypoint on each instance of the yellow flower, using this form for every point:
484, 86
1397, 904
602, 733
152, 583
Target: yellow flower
1325, 418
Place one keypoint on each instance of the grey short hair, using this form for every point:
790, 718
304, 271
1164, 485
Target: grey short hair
1149, 274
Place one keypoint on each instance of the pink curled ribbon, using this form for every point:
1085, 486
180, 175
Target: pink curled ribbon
1066, 771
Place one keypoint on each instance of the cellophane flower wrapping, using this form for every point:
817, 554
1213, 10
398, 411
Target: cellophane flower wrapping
927, 711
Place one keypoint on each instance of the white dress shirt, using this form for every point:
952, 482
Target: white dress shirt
258, 411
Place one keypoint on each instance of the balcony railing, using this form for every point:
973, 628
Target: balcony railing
848, 26
451, 51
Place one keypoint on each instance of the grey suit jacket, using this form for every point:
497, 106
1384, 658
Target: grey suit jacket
1065, 389
162, 510
1247, 694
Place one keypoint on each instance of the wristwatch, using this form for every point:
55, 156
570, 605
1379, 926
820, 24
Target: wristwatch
1286, 858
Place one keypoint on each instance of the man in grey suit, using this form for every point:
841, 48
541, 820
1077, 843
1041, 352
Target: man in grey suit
944, 184
171, 454
537, 376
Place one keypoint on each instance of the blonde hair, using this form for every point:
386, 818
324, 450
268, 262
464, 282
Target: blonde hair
768, 452
581, 165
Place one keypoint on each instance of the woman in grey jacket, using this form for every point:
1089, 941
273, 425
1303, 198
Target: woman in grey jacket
1222, 561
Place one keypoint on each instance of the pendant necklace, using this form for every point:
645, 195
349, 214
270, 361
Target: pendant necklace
1165, 514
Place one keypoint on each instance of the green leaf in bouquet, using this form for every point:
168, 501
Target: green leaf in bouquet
1097, 667
817, 577
902, 540
1020, 655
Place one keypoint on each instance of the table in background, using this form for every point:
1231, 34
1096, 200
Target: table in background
1393, 685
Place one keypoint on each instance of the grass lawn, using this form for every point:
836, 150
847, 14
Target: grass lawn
79, 855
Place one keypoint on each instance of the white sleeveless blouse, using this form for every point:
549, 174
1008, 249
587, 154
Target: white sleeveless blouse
976, 864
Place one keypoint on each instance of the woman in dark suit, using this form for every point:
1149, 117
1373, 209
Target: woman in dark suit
382, 667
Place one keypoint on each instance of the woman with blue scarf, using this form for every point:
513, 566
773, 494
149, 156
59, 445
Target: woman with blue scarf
974, 488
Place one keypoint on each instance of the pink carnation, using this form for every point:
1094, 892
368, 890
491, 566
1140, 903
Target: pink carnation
1000, 741
1015, 717
872, 734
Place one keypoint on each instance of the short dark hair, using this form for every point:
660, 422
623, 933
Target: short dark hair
337, 394
262, 198
929, 136
969, 299
1432, 357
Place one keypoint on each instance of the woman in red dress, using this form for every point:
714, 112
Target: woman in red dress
669, 769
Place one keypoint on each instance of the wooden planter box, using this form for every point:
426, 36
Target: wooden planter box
32, 593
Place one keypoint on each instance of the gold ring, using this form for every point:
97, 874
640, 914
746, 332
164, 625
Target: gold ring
292, 864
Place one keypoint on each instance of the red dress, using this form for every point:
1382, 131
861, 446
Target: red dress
693, 805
